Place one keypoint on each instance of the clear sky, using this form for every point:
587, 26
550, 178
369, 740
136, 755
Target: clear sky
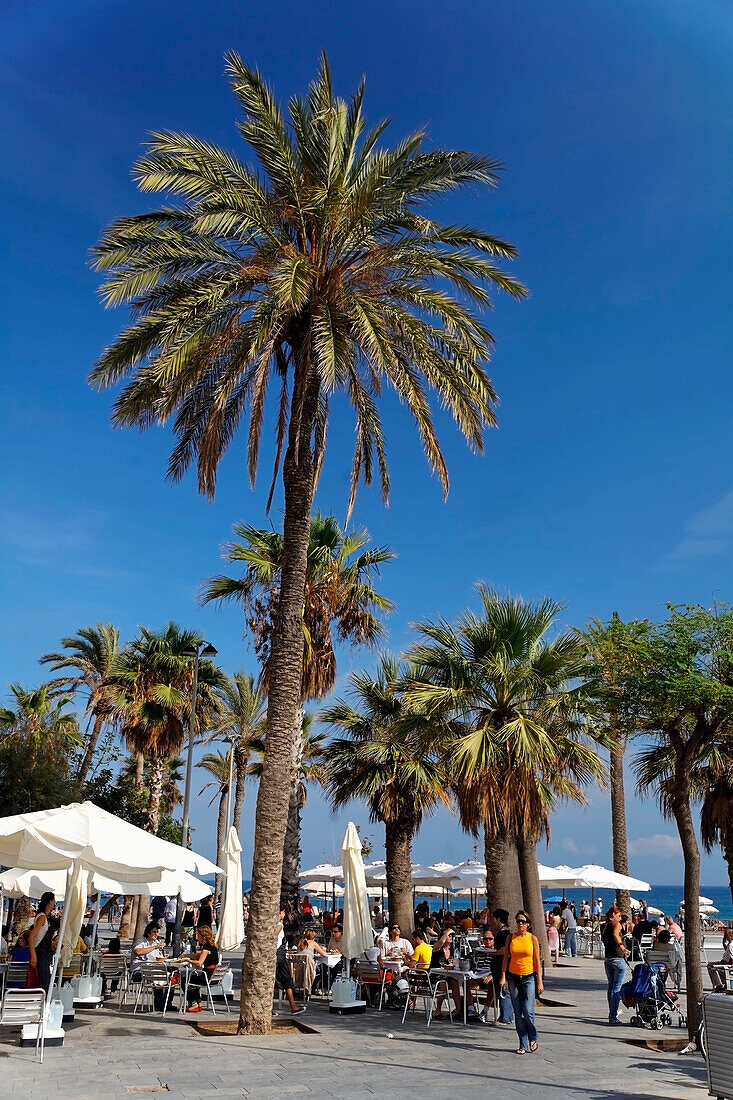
608, 484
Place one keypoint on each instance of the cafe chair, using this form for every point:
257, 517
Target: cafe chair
25, 1006
369, 976
217, 984
420, 984
153, 976
113, 968
16, 975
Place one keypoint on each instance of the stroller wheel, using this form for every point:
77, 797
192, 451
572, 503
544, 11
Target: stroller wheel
657, 1024
634, 1021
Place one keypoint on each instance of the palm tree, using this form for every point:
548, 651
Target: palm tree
242, 713
217, 764
152, 698
513, 724
384, 760
340, 602
716, 818
38, 738
319, 271
607, 647
92, 653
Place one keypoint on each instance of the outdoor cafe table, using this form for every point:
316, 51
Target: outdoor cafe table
464, 976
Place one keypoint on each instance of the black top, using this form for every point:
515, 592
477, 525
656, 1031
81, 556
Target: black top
212, 959
613, 949
205, 916
642, 928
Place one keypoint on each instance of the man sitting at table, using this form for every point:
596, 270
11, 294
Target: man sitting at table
395, 947
423, 952
148, 949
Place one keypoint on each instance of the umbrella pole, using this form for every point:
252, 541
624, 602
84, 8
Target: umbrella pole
71, 878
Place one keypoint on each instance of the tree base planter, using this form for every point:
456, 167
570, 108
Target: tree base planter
670, 1046
284, 1025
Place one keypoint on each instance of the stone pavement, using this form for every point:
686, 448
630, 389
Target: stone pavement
112, 1054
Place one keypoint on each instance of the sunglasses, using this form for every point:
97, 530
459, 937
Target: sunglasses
521, 920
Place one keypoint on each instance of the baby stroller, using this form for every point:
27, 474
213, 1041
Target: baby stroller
647, 994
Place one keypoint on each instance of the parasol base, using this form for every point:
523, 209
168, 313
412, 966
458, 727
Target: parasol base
53, 1037
349, 1008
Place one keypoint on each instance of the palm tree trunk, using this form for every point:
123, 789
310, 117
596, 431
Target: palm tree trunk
89, 754
398, 858
286, 669
240, 775
126, 917
143, 911
157, 771
532, 892
503, 883
221, 822
691, 855
290, 882
618, 822
139, 770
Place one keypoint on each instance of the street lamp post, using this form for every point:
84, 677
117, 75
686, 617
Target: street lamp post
197, 650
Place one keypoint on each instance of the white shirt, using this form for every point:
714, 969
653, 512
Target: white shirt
372, 955
567, 915
151, 956
395, 948
170, 909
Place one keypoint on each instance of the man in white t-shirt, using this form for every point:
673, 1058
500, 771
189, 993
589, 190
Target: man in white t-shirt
396, 947
571, 946
148, 949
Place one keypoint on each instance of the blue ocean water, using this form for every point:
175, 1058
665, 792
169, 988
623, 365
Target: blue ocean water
666, 898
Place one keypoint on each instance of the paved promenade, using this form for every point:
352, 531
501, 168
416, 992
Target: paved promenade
113, 1055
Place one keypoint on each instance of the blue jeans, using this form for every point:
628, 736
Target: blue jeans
571, 946
615, 972
522, 992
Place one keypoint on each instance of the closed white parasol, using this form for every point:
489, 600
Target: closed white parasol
231, 926
358, 934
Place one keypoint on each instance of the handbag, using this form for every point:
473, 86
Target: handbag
32, 981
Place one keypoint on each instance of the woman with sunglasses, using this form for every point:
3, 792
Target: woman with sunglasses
522, 973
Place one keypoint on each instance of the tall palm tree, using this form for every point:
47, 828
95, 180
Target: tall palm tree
504, 691
383, 759
319, 271
242, 713
152, 688
609, 649
340, 602
92, 654
217, 764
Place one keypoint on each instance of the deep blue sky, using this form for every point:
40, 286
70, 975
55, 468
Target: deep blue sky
608, 484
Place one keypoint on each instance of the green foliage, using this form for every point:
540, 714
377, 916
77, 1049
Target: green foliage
38, 741
118, 794
316, 268
340, 597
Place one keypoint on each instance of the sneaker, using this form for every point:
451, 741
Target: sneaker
615, 1023
195, 1008
299, 1011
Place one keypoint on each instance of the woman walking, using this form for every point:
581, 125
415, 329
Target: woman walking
615, 962
521, 972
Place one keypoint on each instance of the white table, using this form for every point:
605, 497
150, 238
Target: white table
464, 976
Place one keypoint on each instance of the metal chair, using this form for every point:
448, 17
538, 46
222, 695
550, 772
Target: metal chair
114, 968
73, 968
422, 985
16, 975
154, 976
721, 975
213, 983
370, 975
25, 1006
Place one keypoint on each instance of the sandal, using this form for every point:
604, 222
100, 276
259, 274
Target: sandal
533, 1047
521, 1050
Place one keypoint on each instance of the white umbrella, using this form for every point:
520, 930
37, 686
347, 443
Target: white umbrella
53, 839
468, 875
358, 934
82, 836
19, 882
708, 910
231, 924
324, 872
317, 888
600, 878
76, 893
442, 866
556, 878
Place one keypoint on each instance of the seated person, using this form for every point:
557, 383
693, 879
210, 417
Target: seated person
337, 935
395, 948
311, 946
113, 949
422, 953
664, 944
328, 921
148, 949
206, 958
727, 958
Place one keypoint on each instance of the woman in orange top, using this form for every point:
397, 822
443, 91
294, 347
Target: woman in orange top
522, 973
